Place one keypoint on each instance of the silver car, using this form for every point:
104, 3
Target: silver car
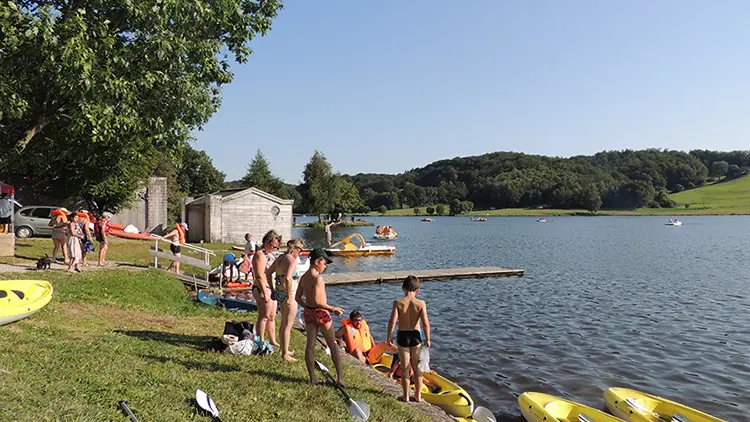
33, 220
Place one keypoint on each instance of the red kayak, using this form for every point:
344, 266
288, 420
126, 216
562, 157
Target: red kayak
126, 235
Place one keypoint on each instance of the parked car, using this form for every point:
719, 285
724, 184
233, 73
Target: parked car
33, 220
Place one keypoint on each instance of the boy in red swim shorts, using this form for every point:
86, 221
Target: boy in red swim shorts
311, 295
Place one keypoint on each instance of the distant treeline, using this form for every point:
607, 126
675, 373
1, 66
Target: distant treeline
609, 179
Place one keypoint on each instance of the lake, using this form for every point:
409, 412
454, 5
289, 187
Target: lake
605, 302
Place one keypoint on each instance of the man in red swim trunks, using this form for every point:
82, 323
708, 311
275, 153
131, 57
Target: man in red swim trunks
311, 295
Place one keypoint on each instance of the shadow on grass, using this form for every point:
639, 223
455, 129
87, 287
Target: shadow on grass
195, 342
198, 366
278, 377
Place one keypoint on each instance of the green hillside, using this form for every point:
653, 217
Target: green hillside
732, 197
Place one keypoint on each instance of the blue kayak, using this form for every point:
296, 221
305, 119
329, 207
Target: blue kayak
230, 304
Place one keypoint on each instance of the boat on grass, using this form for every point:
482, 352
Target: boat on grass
22, 298
235, 302
355, 245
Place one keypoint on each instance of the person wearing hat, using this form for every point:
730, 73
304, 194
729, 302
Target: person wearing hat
59, 221
177, 236
311, 295
101, 231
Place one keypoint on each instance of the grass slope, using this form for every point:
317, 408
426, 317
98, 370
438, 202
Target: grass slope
135, 335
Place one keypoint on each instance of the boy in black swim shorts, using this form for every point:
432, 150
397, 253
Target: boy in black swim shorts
410, 313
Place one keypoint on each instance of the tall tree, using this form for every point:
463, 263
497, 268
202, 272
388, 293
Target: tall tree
316, 190
94, 91
259, 176
197, 175
346, 196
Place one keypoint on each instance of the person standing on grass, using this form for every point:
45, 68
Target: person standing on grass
263, 259
75, 248
311, 295
102, 235
177, 236
284, 290
6, 209
409, 312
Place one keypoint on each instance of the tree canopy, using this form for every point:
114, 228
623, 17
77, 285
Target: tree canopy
259, 176
96, 92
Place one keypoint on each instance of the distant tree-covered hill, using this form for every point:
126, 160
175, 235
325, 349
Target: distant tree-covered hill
609, 179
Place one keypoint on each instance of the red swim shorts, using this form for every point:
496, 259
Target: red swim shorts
319, 317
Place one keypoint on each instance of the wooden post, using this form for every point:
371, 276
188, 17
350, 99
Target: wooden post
156, 258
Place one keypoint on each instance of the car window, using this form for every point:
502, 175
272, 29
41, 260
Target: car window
41, 212
25, 212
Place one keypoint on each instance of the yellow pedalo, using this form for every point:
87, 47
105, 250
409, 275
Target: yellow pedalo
442, 392
540, 407
636, 406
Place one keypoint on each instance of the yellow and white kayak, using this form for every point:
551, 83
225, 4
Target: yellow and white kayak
635, 406
442, 392
21, 298
540, 407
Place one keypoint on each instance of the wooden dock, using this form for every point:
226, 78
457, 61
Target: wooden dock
337, 279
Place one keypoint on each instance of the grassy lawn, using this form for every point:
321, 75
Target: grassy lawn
115, 335
126, 251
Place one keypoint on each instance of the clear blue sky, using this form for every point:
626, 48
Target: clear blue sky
386, 86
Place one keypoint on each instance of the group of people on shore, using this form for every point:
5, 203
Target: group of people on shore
276, 283
73, 234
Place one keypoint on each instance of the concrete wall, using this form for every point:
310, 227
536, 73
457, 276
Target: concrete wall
7, 244
253, 212
226, 219
149, 210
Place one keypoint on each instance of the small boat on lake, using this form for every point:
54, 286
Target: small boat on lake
673, 222
541, 220
428, 219
478, 219
355, 245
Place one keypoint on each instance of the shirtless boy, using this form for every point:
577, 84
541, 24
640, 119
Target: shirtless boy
409, 312
317, 313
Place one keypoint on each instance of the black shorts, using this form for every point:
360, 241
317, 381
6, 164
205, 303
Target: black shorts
4, 220
175, 249
408, 338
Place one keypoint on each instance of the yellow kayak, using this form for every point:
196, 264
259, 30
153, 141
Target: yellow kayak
540, 407
441, 392
635, 406
21, 298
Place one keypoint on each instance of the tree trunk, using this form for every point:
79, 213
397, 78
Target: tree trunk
41, 123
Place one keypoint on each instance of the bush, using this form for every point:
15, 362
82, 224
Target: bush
430, 210
687, 205
382, 209
440, 209
679, 188
690, 185
416, 211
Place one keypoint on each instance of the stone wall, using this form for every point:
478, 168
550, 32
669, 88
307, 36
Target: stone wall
149, 210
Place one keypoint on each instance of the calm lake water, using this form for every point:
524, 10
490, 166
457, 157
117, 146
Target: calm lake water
605, 302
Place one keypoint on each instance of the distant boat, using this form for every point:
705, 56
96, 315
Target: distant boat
541, 220
673, 222
427, 219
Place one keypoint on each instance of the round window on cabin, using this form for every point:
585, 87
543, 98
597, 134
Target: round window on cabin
275, 210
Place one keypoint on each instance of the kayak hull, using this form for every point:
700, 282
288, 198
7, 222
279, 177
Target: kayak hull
636, 406
446, 394
540, 407
126, 235
21, 298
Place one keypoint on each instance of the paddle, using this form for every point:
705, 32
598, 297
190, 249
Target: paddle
123, 404
359, 410
207, 404
320, 340
483, 414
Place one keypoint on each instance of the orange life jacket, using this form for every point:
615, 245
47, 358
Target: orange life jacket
180, 233
357, 338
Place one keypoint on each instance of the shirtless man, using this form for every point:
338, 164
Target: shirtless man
317, 313
327, 228
262, 260
284, 288
409, 312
